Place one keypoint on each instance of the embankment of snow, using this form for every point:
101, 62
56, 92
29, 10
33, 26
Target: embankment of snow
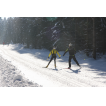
11, 77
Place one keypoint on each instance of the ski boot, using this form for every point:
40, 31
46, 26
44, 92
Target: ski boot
69, 67
55, 66
46, 66
80, 66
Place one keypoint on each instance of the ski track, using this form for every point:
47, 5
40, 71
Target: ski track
60, 77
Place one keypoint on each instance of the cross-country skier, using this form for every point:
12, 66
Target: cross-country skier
3, 43
53, 53
71, 51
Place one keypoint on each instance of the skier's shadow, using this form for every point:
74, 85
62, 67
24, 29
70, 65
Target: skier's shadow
74, 71
57, 69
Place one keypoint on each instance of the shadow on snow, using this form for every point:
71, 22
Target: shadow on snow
98, 66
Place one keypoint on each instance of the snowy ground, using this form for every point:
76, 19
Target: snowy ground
11, 77
23, 67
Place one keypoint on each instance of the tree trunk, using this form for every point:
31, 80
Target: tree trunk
87, 45
94, 40
27, 42
103, 44
75, 32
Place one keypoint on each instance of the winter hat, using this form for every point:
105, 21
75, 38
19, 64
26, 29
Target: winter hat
70, 44
54, 47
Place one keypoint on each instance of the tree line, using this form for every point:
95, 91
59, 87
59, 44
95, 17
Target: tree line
85, 33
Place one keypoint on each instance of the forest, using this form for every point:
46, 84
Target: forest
87, 34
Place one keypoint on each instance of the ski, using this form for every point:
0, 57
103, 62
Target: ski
51, 68
67, 68
44, 67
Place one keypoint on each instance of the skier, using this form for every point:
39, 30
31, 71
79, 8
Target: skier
71, 51
8, 43
53, 53
3, 43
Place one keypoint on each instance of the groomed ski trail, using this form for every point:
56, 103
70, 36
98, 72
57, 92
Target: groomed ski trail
31, 67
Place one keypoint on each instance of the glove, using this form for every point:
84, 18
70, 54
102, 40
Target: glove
64, 53
60, 56
47, 58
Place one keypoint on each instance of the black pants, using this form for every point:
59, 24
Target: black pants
53, 57
70, 57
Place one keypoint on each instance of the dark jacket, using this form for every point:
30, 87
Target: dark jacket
71, 51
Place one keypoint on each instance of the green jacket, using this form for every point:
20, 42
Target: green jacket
71, 51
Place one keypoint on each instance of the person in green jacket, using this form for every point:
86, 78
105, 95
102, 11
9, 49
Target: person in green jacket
72, 52
53, 52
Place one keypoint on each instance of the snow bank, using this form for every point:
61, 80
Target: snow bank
11, 77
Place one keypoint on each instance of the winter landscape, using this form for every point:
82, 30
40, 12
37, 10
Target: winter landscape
22, 67
23, 61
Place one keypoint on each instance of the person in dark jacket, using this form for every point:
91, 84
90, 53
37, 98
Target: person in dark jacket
53, 53
3, 43
72, 52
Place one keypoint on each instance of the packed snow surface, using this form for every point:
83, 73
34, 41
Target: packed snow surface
23, 67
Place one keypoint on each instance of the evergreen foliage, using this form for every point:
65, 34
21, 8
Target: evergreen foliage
46, 32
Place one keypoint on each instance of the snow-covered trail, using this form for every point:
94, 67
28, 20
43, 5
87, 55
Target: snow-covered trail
30, 63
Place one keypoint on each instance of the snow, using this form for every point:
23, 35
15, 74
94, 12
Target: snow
11, 77
21, 67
